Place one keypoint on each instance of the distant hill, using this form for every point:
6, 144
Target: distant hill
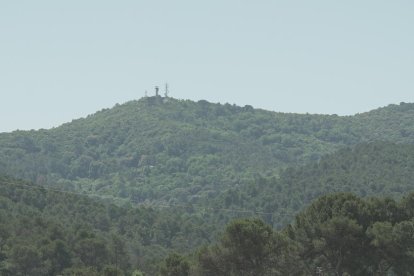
178, 151
370, 169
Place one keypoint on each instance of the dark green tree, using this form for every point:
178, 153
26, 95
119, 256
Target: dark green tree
59, 255
250, 247
175, 265
25, 261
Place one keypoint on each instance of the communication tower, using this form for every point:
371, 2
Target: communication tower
166, 90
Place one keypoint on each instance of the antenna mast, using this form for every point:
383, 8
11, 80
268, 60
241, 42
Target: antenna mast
166, 90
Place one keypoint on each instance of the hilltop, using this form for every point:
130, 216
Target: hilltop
163, 149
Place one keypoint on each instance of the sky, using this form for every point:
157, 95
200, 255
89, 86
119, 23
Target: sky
61, 60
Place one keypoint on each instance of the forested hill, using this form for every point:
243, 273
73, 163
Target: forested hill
176, 151
208, 163
369, 169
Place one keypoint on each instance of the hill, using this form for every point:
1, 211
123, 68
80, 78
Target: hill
369, 169
174, 151
207, 163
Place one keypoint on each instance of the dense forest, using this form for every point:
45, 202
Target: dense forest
117, 192
174, 151
338, 234
377, 168
46, 232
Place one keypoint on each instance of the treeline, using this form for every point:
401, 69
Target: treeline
338, 234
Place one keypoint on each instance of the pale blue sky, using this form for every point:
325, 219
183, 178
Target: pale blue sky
61, 60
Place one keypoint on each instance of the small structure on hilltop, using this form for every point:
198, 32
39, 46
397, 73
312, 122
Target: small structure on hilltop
166, 90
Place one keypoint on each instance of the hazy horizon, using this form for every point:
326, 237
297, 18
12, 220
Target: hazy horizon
64, 60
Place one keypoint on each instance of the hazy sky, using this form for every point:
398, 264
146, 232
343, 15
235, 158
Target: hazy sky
61, 60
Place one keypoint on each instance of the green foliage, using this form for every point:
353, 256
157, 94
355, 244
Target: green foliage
137, 273
81, 271
43, 232
174, 151
250, 247
342, 233
208, 163
372, 169
338, 234
175, 265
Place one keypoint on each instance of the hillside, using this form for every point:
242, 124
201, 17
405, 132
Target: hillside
175, 151
367, 169
45, 232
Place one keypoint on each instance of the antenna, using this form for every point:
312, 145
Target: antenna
146, 93
166, 90
156, 91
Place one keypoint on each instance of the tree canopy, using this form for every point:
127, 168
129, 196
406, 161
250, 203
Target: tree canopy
126, 187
